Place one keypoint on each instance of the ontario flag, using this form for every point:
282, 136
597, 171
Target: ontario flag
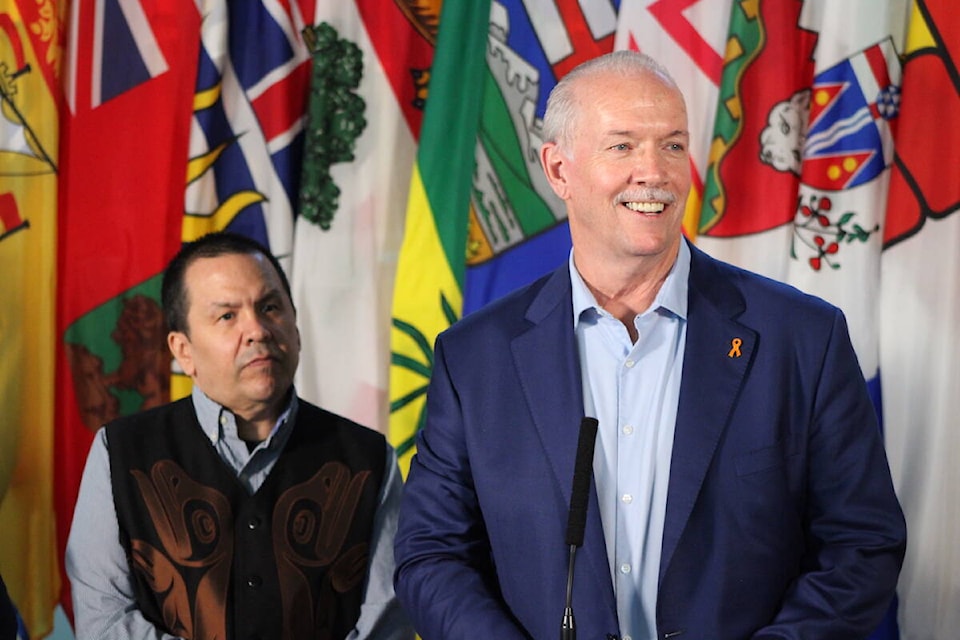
128, 82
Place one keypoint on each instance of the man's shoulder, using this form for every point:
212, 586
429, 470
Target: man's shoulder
149, 418
518, 307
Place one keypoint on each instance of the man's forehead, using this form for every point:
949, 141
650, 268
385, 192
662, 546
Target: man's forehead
216, 271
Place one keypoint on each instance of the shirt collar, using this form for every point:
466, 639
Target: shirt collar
672, 296
214, 417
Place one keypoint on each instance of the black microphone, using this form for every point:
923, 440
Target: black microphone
577, 520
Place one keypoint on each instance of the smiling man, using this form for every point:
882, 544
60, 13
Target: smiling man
740, 488
242, 510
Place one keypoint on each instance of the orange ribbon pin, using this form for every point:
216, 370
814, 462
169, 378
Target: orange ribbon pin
735, 348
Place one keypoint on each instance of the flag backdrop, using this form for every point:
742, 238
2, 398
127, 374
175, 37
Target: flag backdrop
30, 51
184, 117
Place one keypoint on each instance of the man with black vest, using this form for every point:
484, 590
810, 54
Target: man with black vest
241, 511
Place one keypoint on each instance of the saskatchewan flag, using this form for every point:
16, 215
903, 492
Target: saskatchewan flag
428, 295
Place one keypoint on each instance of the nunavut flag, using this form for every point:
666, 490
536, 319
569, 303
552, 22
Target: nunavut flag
129, 81
30, 49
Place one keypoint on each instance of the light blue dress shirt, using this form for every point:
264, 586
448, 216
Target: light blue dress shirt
102, 591
633, 390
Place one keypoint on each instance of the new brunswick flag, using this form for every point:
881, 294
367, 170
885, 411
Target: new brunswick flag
30, 51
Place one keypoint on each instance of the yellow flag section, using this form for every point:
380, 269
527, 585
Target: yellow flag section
29, 53
428, 295
430, 298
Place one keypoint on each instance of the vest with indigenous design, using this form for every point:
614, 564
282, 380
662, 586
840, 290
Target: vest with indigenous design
209, 561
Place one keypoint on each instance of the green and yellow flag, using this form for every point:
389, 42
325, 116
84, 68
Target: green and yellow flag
428, 296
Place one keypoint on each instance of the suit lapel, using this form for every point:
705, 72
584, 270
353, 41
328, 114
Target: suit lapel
549, 370
717, 355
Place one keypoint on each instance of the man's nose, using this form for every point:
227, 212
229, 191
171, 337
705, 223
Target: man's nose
255, 327
648, 167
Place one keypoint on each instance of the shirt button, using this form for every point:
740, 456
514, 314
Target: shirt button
629, 363
253, 523
625, 568
628, 637
627, 430
627, 498
254, 582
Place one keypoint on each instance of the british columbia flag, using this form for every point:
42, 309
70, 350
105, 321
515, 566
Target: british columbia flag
248, 122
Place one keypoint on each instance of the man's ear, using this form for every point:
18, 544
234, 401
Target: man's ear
554, 166
182, 351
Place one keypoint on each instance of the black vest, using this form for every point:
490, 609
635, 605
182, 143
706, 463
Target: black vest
209, 561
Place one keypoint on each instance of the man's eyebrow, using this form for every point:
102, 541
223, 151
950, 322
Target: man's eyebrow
629, 132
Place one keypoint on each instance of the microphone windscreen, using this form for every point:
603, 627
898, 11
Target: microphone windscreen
582, 471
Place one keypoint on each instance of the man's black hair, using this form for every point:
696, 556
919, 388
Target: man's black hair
173, 294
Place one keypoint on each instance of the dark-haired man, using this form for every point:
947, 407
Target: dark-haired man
241, 511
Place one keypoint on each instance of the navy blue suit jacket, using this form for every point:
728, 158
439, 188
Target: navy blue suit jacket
781, 517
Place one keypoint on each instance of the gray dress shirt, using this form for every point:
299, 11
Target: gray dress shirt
103, 600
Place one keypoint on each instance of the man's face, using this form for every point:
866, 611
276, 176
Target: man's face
625, 171
242, 346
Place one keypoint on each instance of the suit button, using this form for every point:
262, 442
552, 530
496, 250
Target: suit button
254, 582
253, 523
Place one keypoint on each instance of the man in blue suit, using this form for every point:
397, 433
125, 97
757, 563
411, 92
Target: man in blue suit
740, 487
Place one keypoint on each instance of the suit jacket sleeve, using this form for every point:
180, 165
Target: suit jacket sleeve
445, 576
855, 528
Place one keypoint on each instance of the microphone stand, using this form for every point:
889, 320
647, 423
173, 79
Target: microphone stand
568, 628
577, 518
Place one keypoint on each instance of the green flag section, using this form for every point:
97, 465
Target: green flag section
428, 292
118, 355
